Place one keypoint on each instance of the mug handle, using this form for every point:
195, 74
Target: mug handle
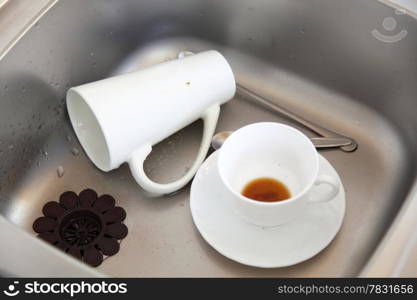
330, 195
137, 159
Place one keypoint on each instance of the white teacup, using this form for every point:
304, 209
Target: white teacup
276, 151
119, 119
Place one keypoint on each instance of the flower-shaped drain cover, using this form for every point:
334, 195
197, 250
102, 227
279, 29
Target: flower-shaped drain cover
85, 225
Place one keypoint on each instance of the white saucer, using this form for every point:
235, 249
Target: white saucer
252, 245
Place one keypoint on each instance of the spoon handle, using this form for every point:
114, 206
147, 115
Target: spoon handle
327, 139
349, 144
329, 142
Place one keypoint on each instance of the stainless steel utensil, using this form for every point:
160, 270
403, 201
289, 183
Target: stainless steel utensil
327, 139
319, 142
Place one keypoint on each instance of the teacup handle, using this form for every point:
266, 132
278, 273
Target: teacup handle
137, 159
331, 194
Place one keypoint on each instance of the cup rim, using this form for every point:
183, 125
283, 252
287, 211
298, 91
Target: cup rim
275, 203
73, 94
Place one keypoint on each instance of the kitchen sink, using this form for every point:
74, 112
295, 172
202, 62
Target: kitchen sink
319, 59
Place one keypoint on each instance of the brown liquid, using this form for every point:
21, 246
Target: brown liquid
266, 190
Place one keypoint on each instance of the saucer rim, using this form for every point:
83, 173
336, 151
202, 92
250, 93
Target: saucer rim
341, 194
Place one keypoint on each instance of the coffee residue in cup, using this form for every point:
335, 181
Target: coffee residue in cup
266, 190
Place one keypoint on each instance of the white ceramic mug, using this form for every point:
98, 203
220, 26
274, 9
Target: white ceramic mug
119, 119
277, 151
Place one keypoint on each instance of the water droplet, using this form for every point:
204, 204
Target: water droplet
302, 31
60, 171
6, 87
75, 151
69, 138
11, 146
91, 53
94, 64
38, 163
44, 152
23, 89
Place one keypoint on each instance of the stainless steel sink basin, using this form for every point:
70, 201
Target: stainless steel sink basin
318, 59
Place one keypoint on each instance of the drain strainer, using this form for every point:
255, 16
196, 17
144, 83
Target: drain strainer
85, 225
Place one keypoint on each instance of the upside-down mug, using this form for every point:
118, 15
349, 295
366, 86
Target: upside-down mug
119, 119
